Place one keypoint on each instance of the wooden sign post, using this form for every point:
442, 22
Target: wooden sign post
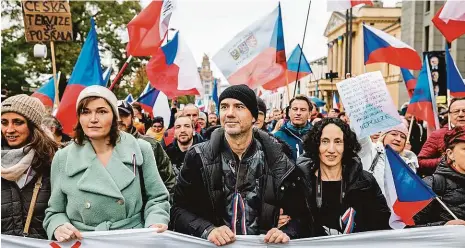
48, 21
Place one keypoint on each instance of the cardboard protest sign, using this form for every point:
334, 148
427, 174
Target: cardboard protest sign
46, 21
368, 103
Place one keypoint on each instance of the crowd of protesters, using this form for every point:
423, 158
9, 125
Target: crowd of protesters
243, 169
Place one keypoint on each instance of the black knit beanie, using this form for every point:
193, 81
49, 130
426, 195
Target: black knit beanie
244, 94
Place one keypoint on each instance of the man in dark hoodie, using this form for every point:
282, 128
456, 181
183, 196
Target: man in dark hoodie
292, 131
126, 124
184, 138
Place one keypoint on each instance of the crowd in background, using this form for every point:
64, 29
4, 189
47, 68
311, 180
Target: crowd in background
241, 169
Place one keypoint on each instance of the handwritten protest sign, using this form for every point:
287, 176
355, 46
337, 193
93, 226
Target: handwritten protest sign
368, 103
46, 21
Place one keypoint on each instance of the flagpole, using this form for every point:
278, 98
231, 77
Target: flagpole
120, 73
302, 49
448, 106
54, 70
446, 208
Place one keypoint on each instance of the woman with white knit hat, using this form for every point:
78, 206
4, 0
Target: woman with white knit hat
106, 179
373, 155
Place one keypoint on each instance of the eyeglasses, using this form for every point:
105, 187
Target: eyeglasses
457, 111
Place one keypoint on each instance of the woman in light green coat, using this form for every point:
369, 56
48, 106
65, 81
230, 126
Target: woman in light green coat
106, 179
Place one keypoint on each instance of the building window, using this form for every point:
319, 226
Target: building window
372, 23
427, 5
426, 39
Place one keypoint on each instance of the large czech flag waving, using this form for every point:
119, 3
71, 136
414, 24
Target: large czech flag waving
382, 47
86, 72
423, 102
406, 193
455, 82
173, 70
256, 56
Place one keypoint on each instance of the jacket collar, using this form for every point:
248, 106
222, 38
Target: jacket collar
273, 148
109, 180
296, 131
351, 172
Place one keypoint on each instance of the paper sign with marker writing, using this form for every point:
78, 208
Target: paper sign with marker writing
368, 104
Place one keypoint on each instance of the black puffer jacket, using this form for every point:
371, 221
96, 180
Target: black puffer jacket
199, 197
362, 193
453, 196
15, 206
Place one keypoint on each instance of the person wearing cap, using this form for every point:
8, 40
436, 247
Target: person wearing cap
239, 163
260, 123
53, 124
373, 155
448, 183
126, 124
157, 129
202, 120
105, 180
337, 184
434, 147
292, 131
27, 154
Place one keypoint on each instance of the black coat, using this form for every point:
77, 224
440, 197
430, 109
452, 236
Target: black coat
362, 193
199, 198
15, 206
453, 196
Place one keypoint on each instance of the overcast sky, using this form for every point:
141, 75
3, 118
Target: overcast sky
207, 25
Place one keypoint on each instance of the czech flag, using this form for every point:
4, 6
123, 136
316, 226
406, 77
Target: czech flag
148, 29
336, 104
173, 70
215, 95
256, 56
406, 193
293, 65
410, 81
382, 47
87, 71
423, 103
455, 82
129, 99
46, 93
450, 20
340, 5
155, 103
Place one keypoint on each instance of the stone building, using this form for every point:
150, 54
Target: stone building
385, 19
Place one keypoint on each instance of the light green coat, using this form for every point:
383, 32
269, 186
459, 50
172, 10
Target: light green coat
97, 198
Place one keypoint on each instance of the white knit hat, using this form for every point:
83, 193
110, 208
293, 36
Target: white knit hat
99, 91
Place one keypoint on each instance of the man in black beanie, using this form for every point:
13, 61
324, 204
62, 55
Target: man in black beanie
260, 123
239, 181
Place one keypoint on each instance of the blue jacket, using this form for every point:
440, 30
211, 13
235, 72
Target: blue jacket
293, 136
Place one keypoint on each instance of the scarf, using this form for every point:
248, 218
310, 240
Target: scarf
16, 166
158, 136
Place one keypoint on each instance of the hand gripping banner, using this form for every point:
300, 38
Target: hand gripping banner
443, 236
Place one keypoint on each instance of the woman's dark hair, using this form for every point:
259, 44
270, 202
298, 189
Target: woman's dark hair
313, 139
80, 136
43, 145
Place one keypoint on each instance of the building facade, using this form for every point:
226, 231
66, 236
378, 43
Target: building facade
419, 32
207, 79
385, 19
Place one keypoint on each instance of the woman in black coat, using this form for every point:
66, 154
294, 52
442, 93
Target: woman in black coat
27, 154
343, 197
448, 182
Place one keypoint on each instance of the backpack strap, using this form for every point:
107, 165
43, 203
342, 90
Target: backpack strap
32, 206
439, 184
